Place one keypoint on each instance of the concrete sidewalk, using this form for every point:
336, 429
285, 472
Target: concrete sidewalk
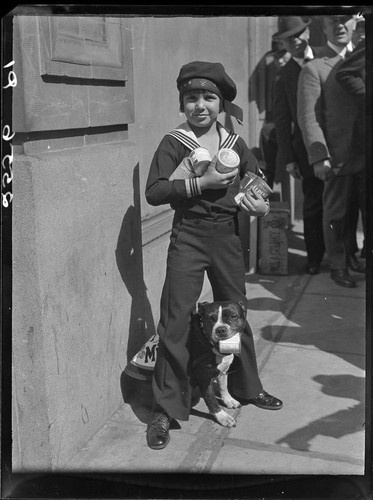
310, 342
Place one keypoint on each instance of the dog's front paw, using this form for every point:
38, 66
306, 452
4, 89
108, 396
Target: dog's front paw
230, 402
224, 419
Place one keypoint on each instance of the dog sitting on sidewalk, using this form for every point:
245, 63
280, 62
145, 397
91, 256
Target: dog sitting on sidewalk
215, 338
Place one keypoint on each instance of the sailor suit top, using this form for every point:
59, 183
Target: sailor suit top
184, 194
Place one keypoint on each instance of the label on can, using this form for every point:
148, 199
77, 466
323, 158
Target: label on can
252, 182
260, 189
201, 159
227, 161
231, 345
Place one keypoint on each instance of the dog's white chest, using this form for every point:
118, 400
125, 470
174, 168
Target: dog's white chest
224, 362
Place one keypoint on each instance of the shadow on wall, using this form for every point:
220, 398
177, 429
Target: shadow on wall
135, 390
130, 264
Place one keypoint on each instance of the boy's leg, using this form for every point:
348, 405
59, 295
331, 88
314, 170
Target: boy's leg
181, 290
227, 277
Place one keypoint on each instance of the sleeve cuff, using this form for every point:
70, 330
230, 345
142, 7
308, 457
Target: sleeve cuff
193, 187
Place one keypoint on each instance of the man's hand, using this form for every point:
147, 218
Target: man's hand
293, 169
254, 204
323, 170
212, 179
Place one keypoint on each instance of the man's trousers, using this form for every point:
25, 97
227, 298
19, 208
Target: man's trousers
312, 188
336, 204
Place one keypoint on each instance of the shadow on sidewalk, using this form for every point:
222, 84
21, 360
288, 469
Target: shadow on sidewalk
335, 425
308, 332
283, 290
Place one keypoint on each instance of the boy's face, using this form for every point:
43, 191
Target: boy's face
201, 107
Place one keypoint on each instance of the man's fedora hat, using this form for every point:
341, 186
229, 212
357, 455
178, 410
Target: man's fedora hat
290, 25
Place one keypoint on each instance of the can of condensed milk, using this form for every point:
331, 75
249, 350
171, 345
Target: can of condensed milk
200, 159
252, 182
230, 346
227, 161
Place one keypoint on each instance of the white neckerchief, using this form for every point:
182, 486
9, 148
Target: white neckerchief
341, 52
308, 54
185, 127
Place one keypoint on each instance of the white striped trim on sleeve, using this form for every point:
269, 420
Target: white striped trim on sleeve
193, 187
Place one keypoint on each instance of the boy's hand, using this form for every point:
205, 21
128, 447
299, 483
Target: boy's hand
254, 204
212, 179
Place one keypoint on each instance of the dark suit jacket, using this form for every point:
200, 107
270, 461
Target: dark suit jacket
351, 76
351, 72
327, 113
261, 82
289, 136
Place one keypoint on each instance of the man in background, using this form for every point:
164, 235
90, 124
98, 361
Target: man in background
261, 91
292, 154
351, 75
326, 116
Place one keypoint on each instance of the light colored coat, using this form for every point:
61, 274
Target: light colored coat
326, 113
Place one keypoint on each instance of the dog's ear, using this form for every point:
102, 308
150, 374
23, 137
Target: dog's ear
201, 307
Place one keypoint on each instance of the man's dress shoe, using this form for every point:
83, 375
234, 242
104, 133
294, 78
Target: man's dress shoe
157, 432
266, 401
355, 265
342, 278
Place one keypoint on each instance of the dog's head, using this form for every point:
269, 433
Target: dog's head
222, 320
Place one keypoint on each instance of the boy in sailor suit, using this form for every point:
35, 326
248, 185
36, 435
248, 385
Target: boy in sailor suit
204, 238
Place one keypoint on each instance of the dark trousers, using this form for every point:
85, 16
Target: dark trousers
337, 231
312, 188
268, 147
198, 246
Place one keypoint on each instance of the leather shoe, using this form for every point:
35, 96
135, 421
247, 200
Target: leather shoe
266, 401
341, 277
157, 432
354, 264
312, 269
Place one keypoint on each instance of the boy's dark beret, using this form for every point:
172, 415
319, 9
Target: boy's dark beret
194, 75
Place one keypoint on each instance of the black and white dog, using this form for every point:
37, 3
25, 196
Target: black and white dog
212, 325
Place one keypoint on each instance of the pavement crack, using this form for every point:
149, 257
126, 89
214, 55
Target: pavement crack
209, 440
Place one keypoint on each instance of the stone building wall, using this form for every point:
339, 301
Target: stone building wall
94, 97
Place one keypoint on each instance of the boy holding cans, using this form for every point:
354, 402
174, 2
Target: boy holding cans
204, 238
